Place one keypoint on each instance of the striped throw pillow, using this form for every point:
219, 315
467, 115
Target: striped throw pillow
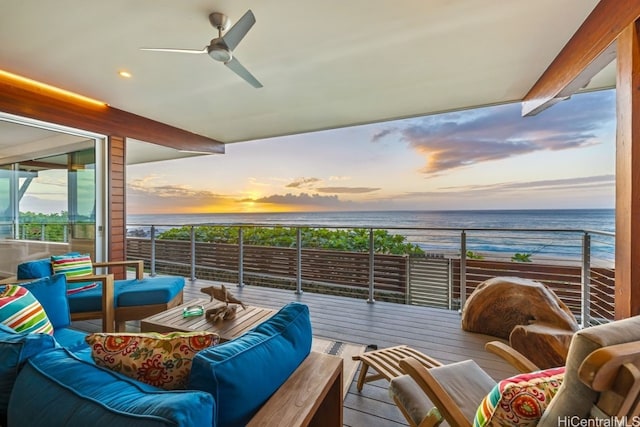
22, 312
72, 265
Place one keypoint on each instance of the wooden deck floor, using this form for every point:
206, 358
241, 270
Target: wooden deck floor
435, 332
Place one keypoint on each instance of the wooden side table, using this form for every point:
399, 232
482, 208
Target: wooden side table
172, 320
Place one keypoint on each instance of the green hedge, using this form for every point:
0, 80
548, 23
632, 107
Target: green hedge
352, 239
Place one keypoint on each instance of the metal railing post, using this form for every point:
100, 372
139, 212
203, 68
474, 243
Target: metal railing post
193, 253
450, 284
152, 262
65, 235
463, 268
372, 252
298, 261
42, 231
240, 257
586, 280
408, 288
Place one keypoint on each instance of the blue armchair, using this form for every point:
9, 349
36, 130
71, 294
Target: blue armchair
114, 301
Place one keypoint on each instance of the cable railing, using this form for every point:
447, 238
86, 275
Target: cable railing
578, 265
44, 232
442, 268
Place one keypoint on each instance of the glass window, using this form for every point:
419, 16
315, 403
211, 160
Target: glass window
55, 198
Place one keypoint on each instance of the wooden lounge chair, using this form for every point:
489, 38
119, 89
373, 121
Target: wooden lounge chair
601, 381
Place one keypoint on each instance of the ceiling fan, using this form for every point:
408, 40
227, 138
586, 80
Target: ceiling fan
221, 48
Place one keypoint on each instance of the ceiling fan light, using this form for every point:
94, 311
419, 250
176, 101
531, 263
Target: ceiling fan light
219, 53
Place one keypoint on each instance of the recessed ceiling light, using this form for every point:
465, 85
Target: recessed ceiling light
125, 74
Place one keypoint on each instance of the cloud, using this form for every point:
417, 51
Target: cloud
339, 178
299, 199
144, 190
255, 181
455, 140
589, 183
347, 190
303, 182
382, 133
554, 184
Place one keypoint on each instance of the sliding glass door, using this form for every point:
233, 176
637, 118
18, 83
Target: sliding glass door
51, 197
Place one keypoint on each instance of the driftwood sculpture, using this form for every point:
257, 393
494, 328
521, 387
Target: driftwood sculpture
222, 312
527, 313
222, 294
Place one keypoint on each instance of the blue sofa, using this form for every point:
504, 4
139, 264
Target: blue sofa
133, 299
52, 380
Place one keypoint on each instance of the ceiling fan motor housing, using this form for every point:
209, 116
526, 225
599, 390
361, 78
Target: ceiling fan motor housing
218, 51
220, 21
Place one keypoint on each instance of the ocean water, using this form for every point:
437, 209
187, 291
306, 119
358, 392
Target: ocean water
554, 233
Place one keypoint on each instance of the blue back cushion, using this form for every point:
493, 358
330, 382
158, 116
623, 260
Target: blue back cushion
58, 388
51, 292
15, 349
35, 269
243, 373
71, 339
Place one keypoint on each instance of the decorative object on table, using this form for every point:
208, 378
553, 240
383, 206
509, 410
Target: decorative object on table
221, 312
222, 294
193, 310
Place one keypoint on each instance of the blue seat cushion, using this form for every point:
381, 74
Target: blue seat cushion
59, 388
130, 292
243, 373
15, 349
51, 292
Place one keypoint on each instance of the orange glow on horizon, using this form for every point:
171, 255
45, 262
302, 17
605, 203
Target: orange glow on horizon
231, 208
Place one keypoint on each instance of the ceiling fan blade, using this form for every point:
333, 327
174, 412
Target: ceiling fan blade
239, 69
239, 30
167, 49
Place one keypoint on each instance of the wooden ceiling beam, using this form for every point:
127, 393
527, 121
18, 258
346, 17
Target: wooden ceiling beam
25, 100
590, 49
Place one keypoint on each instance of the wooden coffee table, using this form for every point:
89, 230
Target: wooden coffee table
172, 320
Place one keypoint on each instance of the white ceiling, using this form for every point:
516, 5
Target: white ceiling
323, 64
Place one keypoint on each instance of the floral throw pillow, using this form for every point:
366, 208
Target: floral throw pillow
519, 400
162, 360
22, 312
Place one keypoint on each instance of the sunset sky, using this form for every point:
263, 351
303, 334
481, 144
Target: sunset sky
488, 158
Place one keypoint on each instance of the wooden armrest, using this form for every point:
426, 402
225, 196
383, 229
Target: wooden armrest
108, 311
137, 264
447, 406
600, 368
312, 396
11, 280
512, 356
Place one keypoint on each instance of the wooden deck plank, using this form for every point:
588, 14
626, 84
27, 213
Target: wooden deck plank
435, 332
